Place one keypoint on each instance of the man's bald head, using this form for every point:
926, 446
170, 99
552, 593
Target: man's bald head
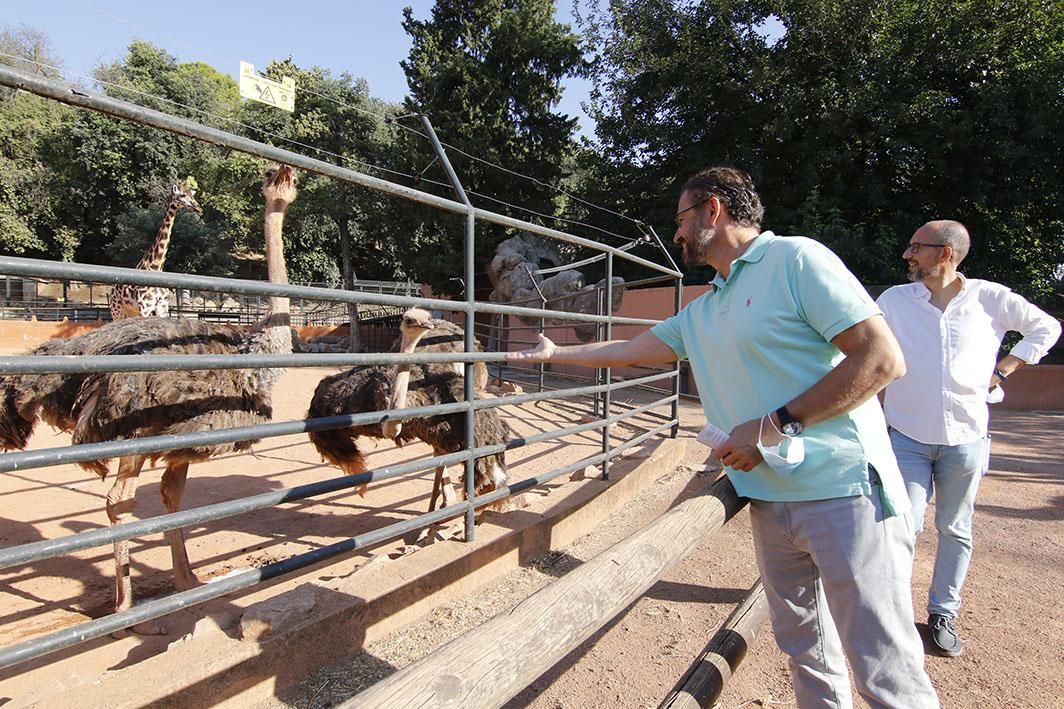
947, 231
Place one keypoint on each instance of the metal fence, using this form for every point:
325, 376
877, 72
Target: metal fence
80, 301
602, 388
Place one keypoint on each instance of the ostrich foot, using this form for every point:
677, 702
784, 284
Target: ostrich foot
437, 533
187, 582
148, 627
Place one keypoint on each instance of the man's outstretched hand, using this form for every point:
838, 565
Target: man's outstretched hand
542, 352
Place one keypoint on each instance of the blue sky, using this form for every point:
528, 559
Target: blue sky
363, 37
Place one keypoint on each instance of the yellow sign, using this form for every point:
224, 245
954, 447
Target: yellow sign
280, 94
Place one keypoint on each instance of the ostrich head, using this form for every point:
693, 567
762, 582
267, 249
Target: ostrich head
279, 187
416, 322
183, 194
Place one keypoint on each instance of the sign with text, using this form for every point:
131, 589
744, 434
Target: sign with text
279, 94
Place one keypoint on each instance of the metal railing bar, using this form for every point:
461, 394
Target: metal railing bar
593, 259
91, 364
74, 96
149, 610
24, 460
522, 485
35, 551
27, 267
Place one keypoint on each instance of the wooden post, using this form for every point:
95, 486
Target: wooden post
488, 665
705, 680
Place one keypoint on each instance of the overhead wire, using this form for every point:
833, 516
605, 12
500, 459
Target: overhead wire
395, 120
208, 114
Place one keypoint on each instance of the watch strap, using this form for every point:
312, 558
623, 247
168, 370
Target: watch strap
785, 416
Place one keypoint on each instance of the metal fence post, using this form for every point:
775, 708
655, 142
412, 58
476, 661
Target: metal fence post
606, 373
470, 274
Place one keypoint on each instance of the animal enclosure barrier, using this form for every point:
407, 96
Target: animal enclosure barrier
491, 663
175, 521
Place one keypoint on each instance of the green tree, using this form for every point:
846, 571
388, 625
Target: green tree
859, 123
107, 170
489, 74
27, 221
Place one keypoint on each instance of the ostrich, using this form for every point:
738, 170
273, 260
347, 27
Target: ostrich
364, 389
123, 405
445, 337
129, 301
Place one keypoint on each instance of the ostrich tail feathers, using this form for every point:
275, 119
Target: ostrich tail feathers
338, 447
16, 423
95, 466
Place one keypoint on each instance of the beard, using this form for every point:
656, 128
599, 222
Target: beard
916, 272
695, 252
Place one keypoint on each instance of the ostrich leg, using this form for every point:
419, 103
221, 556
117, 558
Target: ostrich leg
171, 489
120, 502
437, 483
121, 499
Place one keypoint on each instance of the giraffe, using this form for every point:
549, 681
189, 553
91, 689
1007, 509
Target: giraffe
129, 301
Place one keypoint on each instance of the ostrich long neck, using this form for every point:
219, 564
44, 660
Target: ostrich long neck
155, 257
402, 378
276, 328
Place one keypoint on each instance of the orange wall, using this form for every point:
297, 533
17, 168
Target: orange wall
1039, 388
646, 303
18, 336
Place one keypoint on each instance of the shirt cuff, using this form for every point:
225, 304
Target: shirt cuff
1027, 351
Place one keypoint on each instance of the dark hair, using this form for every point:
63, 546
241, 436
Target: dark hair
734, 188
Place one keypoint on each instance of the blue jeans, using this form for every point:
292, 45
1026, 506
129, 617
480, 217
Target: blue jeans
951, 474
837, 579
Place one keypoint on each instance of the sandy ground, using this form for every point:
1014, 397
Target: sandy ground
51, 502
1012, 621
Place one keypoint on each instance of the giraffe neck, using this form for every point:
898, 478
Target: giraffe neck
155, 257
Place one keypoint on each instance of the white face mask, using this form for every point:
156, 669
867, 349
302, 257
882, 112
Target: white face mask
784, 457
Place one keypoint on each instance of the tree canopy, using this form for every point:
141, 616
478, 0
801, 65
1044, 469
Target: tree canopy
859, 122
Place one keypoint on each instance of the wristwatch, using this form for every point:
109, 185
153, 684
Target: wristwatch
788, 424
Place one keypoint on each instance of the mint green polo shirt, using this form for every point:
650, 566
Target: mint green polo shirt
762, 337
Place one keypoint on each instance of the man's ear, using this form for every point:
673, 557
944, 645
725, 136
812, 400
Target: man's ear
947, 254
715, 210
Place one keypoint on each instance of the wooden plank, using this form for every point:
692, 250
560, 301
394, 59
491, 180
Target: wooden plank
704, 682
488, 665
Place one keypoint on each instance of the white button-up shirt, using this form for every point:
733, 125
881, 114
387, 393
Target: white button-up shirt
950, 356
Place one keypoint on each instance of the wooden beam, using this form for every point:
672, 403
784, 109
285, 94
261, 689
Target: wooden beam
491, 663
704, 682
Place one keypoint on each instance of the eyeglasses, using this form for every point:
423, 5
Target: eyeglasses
915, 246
699, 203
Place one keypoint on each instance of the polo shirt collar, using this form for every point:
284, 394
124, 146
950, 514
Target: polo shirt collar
754, 253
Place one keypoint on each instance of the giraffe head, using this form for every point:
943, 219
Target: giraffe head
183, 195
279, 185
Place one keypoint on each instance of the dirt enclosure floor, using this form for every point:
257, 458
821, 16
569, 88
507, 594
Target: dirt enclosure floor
1012, 620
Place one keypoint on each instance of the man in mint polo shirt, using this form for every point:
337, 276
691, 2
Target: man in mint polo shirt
788, 351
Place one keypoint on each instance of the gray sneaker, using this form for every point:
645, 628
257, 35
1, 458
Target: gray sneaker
944, 635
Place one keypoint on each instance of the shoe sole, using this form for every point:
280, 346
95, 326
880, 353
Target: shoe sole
949, 653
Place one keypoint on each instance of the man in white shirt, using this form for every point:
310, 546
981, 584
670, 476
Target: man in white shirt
950, 329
